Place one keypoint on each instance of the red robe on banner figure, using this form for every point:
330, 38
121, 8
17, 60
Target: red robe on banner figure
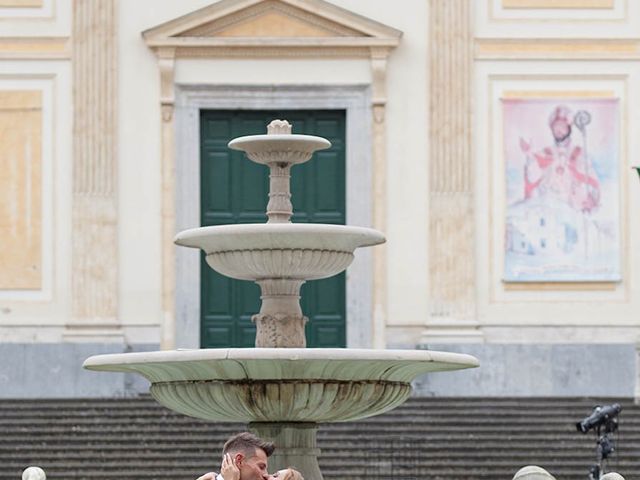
561, 170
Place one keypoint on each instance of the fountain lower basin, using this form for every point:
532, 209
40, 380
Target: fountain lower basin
281, 385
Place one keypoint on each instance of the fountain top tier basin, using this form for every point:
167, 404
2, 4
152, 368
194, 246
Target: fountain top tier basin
285, 148
279, 146
285, 385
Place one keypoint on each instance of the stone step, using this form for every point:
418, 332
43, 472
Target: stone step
346, 447
483, 402
343, 439
456, 439
409, 406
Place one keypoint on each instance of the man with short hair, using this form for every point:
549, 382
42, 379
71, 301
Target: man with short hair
249, 453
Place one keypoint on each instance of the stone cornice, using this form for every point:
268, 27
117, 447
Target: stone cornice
557, 49
262, 42
272, 52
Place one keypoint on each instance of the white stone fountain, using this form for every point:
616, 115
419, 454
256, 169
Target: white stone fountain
280, 388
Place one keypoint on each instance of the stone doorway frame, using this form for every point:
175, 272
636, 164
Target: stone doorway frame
356, 101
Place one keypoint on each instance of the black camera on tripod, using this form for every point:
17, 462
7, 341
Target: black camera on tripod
602, 415
604, 420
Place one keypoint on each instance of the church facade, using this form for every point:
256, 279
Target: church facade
490, 141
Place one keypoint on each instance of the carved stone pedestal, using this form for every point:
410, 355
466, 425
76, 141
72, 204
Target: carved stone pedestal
280, 330
280, 323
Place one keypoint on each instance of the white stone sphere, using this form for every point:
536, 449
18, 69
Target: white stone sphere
533, 472
612, 476
33, 473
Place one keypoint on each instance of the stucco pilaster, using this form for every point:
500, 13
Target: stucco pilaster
94, 233
452, 311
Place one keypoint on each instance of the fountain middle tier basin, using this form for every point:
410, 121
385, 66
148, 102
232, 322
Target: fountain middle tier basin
281, 385
302, 251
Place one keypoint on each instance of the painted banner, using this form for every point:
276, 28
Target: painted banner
562, 190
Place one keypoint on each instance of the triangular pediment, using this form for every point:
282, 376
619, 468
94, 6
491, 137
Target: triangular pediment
271, 18
255, 23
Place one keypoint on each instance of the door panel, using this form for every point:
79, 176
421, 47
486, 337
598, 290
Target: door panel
235, 190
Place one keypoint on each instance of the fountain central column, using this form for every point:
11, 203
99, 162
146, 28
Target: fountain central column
296, 446
280, 322
279, 208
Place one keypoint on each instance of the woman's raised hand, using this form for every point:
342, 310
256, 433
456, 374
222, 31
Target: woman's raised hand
229, 470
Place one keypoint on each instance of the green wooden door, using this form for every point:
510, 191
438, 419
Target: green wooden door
235, 190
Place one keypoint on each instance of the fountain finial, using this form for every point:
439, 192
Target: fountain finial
279, 127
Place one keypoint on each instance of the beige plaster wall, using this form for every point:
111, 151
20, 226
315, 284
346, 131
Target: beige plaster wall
504, 315
515, 48
35, 18
555, 313
605, 62
34, 304
21, 187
